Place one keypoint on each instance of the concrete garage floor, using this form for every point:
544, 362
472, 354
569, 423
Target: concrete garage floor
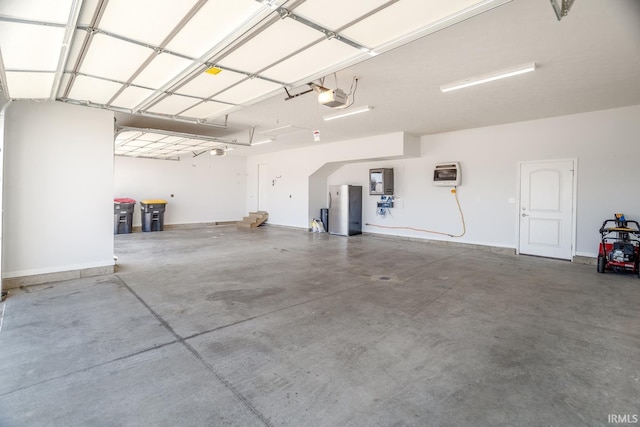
210, 327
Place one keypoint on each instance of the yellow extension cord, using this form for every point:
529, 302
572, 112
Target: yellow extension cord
464, 226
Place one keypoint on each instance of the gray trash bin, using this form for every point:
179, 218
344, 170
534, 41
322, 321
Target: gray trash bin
123, 216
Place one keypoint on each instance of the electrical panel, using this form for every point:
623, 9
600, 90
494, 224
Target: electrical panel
381, 182
447, 174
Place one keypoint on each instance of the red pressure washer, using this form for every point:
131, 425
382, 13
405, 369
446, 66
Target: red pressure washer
620, 246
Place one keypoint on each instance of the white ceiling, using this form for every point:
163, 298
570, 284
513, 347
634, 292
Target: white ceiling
150, 70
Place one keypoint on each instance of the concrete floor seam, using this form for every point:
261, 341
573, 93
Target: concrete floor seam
88, 368
353, 332
227, 384
195, 353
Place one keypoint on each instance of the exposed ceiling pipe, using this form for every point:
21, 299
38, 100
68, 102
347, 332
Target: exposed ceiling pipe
69, 34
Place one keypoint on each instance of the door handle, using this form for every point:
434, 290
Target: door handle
524, 214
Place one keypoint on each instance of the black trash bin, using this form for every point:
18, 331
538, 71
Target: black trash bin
152, 214
123, 215
324, 217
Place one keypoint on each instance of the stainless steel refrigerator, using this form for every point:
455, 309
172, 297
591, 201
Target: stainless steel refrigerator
345, 209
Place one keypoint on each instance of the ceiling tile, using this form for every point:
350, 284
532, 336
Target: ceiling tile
32, 47
148, 21
135, 143
124, 136
274, 43
207, 109
157, 145
207, 84
151, 137
30, 85
323, 12
112, 58
317, 61
131, 97
94, 90
180, 147
172, 139
248, 90
163, 68
213, 22
173, 105
37, 10
403, 18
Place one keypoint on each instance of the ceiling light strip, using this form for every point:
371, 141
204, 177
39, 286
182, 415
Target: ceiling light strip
489, 77
67, 42
357, 110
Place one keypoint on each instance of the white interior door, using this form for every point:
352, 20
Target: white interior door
546, 209
263, 188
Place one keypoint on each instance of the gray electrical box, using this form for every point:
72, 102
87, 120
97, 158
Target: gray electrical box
381, 182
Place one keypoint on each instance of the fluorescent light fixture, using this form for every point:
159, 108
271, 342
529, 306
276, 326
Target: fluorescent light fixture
484, 78
356, 110
266, 141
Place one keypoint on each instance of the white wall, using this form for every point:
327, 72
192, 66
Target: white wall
58, 187
297, 178
605, 143
204, 188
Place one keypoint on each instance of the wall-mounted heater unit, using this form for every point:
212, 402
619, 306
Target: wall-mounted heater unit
447, 174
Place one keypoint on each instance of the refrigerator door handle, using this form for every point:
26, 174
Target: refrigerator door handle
330, 199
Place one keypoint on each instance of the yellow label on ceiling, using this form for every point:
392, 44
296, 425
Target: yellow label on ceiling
213, 70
